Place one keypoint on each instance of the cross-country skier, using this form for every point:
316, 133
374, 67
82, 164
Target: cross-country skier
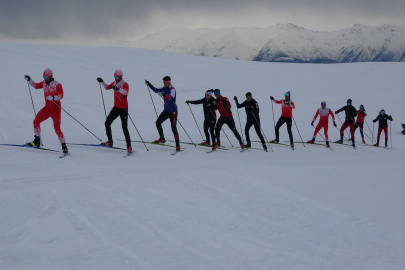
286, 117
382, 125
53, 93
209, 106
361, 113
252, 118
224, 108
121, 89
323, 113
168, 93
351, 113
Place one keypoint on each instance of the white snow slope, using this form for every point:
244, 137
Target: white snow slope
309, 209
285, 43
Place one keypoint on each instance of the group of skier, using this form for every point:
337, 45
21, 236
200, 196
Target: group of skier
212, 102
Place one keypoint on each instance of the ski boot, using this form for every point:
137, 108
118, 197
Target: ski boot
107, 143
214, 148
327, 144
350, 139
311, 141
363, 141
178, 149
160, 140
206, 143
274, 141
218, 144
376, 144
248, 145
339, 141
292, 146
265, 147
35, 143
64, 148
129, 149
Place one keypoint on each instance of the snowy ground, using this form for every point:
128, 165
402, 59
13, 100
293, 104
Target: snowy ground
308, 209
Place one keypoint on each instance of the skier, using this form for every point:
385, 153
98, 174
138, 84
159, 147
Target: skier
351, 113
168, 93
361, 113
286, 117
252, 118
53, 93
403, 126
323, 113
121, 89
382, 125
209, 106
224, 108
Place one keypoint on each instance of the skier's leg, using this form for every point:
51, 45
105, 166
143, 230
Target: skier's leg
342, 129
212, 131
289, 126
162, 117
325, 131
56, 117
173, 122
232, 126
352, 131
247, 128
42, 115
124, 123
206, 127
386, 135
280, 122
317, 129
114, 113
218, 127
259, 133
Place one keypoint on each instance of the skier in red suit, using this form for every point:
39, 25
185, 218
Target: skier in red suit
53, 93
323, 113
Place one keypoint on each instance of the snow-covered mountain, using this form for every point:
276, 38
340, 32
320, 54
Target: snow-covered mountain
285, 43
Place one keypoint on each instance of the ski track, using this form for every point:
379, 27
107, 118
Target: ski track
308, 209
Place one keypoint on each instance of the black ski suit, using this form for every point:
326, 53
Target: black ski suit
210, 118
252, 118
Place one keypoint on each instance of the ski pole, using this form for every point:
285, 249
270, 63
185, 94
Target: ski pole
373, 132
133, 123
221, 127
298, 131
361, 129
153, 102
370, 131
390, 135
239, 120
274, 121
105, 112
262, 130
345, 130
76, 120
29, 89
195, 121
178, 120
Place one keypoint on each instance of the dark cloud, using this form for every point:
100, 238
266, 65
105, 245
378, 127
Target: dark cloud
44, 19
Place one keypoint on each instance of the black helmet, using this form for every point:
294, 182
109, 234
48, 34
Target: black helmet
167, 78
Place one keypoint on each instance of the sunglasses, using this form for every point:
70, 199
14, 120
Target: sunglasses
117, 77
46, 77
323, 104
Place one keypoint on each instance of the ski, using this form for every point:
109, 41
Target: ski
64, 155
162, 144
255, 148
320, 144
175, 152
198, 144
128, 154
273, 143
213, 150
26, 146
96, 145
243, 149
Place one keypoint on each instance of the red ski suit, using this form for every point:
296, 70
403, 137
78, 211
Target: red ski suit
323, 121
286, 110
120, 96
224, 106
51, 109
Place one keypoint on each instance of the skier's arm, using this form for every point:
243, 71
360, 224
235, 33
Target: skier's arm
376, 119
59, 89
227, 103
257, 107
125, 89
171, 96
107, 86
199, 101
316, 115
36, 85
292, 105
242, 105
341, 109
333, 116
277, 101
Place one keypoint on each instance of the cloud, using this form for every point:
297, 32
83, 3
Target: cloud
55, 19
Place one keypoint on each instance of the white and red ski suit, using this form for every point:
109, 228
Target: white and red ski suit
323, 121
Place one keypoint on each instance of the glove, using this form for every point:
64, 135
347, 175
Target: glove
336, 112
161, 94
271, 97
49, 98
375, 120
390, 117
287, 103
115, 88
312, 123
188, 101
235, 98
334, 123
27, 78
148, 83
100, 80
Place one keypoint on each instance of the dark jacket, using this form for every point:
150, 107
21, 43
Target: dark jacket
351, 113
383, 120
209, 107
249, 107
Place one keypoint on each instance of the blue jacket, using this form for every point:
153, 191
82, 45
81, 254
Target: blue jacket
169, 97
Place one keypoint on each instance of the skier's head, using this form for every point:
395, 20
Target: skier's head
48, 75
362, 108
248, 96
217, 93
167, 81
287, 95
349, 102
118, 75
323, 104
382, 112
209, 93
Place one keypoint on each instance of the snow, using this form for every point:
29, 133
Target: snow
308, 209
285, 43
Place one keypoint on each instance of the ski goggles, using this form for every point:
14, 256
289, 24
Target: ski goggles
117, 77
217, 92
323, 103
382, 112
46, 77
361, 107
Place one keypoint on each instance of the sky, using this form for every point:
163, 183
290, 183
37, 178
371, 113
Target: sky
133, 19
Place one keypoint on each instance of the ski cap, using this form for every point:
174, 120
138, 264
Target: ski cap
48, 72
349, 101
210, 92
248, 94
287, 94
118, 73
167, 78
323, 103
217, 92
362, 107
382, 111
